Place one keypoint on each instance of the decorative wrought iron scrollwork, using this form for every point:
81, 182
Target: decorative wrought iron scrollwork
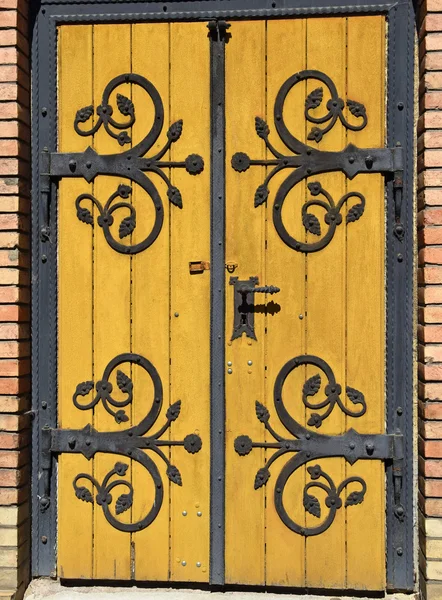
307, 446
307, 161
132, 164
132, 443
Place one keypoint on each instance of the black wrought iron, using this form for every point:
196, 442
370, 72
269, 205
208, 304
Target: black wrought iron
307, 161
309, 446
132, 443
244, 305
131, 164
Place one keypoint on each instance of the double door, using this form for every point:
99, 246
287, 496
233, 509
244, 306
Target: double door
221, 302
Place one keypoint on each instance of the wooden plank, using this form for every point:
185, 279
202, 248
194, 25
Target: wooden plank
285, 268
190, 302
325, 320
245, 99
112, 309
366, 303
74, 303
150, 301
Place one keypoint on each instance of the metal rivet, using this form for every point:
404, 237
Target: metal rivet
88, 442
278, 490
400, 258
250, 363
308, 454
177, 314
88, 164
399, 410
399, 551
183, 562
400, 105
309, 171
351, 159
198, 564
44, 539
129, 452
220, 478
301, 317
229, 364
352, 445
44, 111
199, 514
276, 206
307, 436
44, 258
44, 404
184, 513
219, 525
229, 371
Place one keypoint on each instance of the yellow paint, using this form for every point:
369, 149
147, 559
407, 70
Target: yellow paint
150, 304
74, 308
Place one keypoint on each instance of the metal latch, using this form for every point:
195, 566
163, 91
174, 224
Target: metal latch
198, 266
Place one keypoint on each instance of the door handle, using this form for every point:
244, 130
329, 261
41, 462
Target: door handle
244, 305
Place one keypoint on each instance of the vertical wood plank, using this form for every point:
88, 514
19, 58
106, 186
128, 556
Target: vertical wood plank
325, 319
112, 310
366, 303
285, 268
150, 301
190, 302
74, 303
245, 99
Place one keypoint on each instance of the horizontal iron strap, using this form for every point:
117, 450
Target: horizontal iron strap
351, 161
352, 446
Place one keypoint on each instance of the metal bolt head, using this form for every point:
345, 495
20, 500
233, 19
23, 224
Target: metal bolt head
184, 563
199, 514
399, 551
250, 363
198, 564
301, 317
229, 371
184, 513
44, 539
229, 364
177, 314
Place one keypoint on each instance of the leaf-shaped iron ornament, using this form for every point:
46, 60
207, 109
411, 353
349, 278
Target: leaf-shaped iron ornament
132, 443
307, 161
131, 164
307, 445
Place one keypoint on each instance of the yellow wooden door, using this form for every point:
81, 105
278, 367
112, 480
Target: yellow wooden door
319, 347
304, 278
130, 341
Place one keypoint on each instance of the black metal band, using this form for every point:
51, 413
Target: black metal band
217, 317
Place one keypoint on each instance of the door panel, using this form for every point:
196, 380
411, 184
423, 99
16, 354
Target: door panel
125, 319
331, 305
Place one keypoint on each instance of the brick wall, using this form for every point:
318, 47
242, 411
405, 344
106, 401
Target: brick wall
14, 299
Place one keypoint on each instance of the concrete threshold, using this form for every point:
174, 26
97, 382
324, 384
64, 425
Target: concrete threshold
48, 589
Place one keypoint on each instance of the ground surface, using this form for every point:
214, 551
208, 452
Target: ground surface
46, 589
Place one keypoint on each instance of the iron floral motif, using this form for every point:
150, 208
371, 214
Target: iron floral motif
308, 446
131, 164
132, 443
308, 161
332, 391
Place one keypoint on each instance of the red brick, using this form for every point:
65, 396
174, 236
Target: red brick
430, 294
426, 236
432, 430
14, 385
13, 312
432, 22
429, 353
15, 367
431, 487
428, 468
430, 372
14, 349
13, 331
12, 294
431, 158
14, 477
431, 449
433, 61
430, 314
431, 391
10, 496
430, 255
14, 441
13, 458
427, 197
14, 404
427, 178
13, 258
13, 277
432, 80
430, 274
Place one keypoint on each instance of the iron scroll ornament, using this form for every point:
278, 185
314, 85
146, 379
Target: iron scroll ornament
131, 443
132, 164
308, 446
307, 161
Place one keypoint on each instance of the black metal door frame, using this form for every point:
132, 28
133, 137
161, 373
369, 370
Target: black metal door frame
400, 251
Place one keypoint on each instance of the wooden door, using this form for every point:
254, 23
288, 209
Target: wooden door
133, 320
318, 346
221, 303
